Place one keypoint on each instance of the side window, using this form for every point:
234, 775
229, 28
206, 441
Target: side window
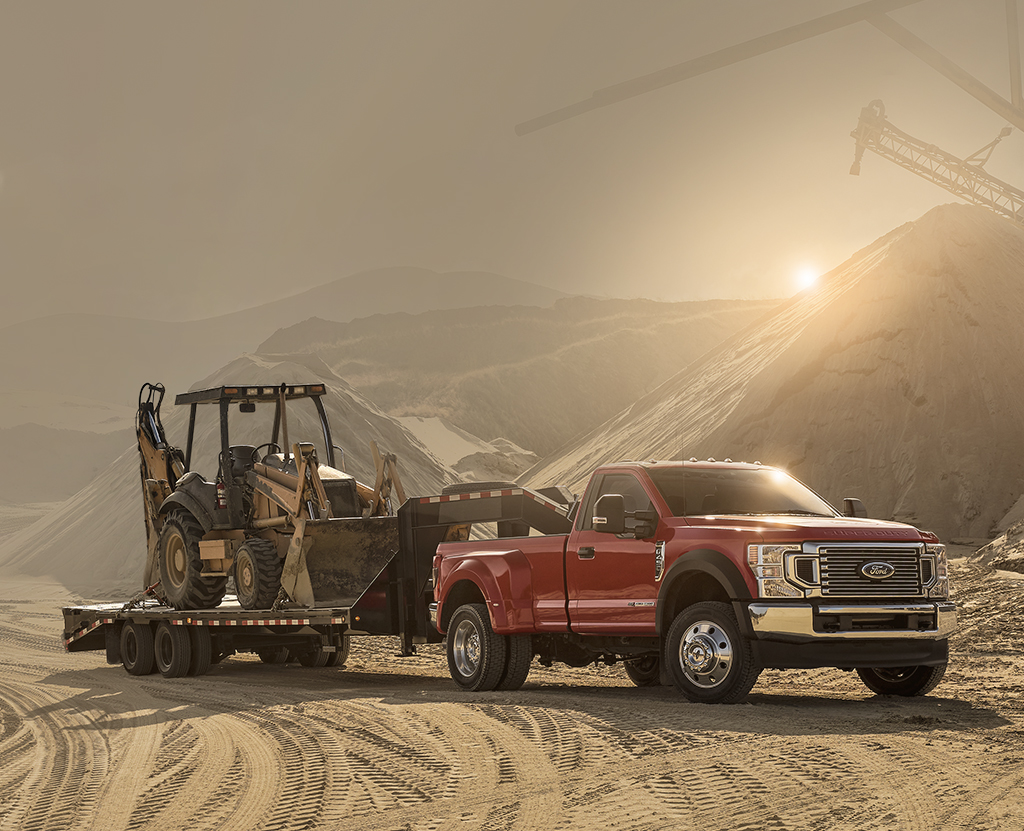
633, 494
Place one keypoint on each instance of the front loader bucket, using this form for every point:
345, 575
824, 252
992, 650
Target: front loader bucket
331, 562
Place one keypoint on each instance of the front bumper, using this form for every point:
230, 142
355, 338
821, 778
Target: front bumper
806, 623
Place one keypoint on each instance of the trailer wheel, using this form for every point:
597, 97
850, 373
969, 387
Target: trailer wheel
314, 657
644, 672
257, 573
907, 681
708, 660
173, 648
181, 578
338, 658
519, 656
202, 650
476, 655
275, 656
137, 649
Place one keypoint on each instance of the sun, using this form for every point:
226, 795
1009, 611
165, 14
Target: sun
806, 277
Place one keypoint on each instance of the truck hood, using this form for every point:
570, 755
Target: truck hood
785, 527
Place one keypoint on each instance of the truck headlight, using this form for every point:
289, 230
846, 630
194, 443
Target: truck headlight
935, 558
768, 564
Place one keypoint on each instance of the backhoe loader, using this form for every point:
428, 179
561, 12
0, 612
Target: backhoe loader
284, 525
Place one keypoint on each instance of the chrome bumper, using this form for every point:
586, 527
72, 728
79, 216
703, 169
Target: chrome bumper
432, 611
802, 622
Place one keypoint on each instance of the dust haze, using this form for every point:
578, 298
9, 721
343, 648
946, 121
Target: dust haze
201, 194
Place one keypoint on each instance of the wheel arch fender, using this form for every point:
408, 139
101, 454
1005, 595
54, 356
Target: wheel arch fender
503, 582
701, 574
183, 500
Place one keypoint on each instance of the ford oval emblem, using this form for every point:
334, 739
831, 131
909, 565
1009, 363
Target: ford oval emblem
877, 570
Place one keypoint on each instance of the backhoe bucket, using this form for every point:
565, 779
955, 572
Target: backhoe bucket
331, 562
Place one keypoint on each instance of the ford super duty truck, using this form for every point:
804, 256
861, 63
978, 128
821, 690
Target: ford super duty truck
698, 574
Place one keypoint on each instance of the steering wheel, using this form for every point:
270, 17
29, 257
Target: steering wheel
270, 444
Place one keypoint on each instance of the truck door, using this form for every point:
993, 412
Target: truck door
609, 577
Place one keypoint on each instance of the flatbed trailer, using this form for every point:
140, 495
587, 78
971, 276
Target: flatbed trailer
391, 589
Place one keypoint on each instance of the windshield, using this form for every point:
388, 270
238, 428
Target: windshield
751, 491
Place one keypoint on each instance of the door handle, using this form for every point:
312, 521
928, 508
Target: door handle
586, 553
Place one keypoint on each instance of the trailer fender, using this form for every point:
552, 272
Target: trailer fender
504, 580
702, 574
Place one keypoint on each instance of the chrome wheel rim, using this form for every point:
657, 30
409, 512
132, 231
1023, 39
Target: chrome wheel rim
466, 648
705, 654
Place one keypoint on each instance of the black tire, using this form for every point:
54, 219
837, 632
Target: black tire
137, 649
473, 487
907, 681
476, 655
275, 656
173, 648
644, 672
202, 650
315, 657
257, 572
338, 658
518, 657
708, 659
181, 578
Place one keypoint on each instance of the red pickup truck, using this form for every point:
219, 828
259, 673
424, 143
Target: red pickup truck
697, 574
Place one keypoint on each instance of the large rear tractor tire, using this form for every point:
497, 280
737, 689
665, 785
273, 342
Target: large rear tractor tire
644, 672
181, 578
173, 648
476, 655
907, 681
137, 649
708, 659
257, 573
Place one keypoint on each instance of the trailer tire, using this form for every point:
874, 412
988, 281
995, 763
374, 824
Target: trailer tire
173, 648
474, 487
644, 672
202, 650
907, 681
709, 661
519, 656
314, 658
338, 658
275, 656
181, 578
137, 649
476, 655
257, 572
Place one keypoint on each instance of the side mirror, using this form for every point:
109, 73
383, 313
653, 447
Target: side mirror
610, 514
646, 522
854, 507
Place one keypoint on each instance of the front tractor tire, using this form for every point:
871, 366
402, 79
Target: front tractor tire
477, 656
181, 579
257, 573
908, 681
708, 659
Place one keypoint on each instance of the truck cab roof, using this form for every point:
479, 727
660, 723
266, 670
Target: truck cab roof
245, 393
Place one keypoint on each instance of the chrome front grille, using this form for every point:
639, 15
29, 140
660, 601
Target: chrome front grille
842, 572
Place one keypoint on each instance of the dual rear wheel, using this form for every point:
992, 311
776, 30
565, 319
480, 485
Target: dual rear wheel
173, 651
480, 659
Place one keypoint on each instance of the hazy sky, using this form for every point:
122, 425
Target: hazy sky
186, 159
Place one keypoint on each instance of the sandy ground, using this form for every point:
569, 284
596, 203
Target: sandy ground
390, 743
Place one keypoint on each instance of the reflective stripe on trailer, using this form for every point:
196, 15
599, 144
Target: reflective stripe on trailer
81, 633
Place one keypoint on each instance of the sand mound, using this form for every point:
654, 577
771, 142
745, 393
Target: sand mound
96, 540
900, 379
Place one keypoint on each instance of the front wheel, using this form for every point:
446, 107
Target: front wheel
476, 655
907, 681
707, 658
257, 573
